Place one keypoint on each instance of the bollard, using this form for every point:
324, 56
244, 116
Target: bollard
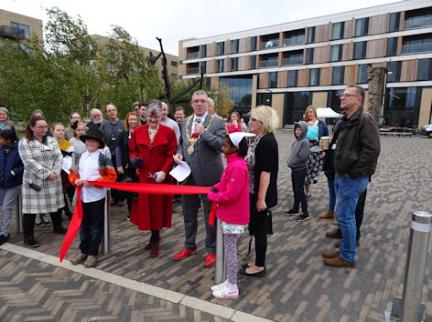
220, 265
106, 235
411, 308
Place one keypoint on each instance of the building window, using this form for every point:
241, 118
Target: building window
272, 79
292, 78
361, 27
234, 64
417, 44
337, 30
418, 18
252, 62
394, 22
220, 48
203, 67
424, 71
193, 52
20, 29
338, 75
394, 69
309, 55
234, 46
310, 34
292, 58
294, 37
270, 60
314, 77
239, 89
294, 106
220, 65
192, 68
204, 51
270, 41
392, 46
402, 106
174, 63
336, 53
359, 50
362, 74
253, 43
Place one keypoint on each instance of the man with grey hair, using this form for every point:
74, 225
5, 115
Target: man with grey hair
96, 118
165, 120
202, 137
211, 106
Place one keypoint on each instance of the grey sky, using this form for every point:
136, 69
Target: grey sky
173, 20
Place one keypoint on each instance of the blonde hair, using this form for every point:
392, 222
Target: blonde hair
267, 116
310, 107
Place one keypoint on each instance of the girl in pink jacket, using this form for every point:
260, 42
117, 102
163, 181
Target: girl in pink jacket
232, 197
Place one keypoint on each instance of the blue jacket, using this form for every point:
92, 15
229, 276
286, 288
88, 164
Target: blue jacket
322, 129
10, 161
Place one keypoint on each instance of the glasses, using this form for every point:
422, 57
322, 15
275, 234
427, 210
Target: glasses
348, 95
254, 119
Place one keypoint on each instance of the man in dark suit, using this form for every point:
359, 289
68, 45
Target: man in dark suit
202, 138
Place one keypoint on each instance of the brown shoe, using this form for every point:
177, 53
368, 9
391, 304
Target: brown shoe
335, 234
330, 255
327, 214
338, 262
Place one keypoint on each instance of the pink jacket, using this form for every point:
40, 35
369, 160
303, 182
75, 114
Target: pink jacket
233, 192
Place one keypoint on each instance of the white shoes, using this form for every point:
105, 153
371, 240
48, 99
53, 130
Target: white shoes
225, 291
219, 286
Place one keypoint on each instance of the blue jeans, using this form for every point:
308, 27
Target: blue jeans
348, 191
332, 194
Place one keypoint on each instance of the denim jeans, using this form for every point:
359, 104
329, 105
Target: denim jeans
348, 191
92, 226
332, 194
8, 197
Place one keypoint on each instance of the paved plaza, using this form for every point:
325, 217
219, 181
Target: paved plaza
298, 287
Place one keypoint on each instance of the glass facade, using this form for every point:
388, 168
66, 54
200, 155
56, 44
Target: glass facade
234, 64
394, 70
252, 62
220, 48
359, 50
336, 53
402, 106
310, 35
394, 22
295, 104
418, 18
270, 60
293, 58
417, 44
253, 43
309, 55
293, 38
424, 71
337, 30
292, 78
314, 77
362, 74
234, 46
220, 65
239, 90
392, 46
361, 27
272, 79
338, 75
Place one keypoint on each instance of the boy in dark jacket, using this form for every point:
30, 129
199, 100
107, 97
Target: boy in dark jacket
297, 161
11, 172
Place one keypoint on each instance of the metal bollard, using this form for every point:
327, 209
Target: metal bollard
220, 265
411, 308
106, 235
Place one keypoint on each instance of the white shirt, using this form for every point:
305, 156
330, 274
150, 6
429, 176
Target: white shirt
172, 124
89, 170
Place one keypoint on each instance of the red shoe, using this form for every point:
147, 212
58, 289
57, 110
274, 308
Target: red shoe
210, 260
184, 253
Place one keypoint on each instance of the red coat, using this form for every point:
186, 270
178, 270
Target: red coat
153, 211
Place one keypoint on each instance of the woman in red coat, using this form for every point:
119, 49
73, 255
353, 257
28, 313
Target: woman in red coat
152, 147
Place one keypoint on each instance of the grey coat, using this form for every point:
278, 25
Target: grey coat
205, 163
299, 155
39, 160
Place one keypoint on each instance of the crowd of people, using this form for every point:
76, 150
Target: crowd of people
47, 164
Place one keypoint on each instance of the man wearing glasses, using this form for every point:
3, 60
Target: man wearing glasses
356, 148
202, 137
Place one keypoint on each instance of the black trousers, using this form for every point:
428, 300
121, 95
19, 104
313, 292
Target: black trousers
29, 220
298, 179
92, 226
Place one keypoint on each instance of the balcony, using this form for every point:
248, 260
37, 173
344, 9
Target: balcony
269, 63
293, 42
193, 55
296, 60
272, 43
12, 33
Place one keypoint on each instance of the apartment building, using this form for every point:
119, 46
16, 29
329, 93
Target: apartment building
172, 60
294, 64
16, 27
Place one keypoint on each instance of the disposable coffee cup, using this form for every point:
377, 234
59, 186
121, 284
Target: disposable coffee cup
325, 142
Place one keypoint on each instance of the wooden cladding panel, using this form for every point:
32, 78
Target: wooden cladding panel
349, 28
227, 47
263, 80
227, 65
211, 66
347, 51
399, 46
350, 74
321, 54
322, 33
244, 45
376, 48
325, 76
211, 49
243, 62
409, 70
214, 83
378, 24
282, 79
303, 77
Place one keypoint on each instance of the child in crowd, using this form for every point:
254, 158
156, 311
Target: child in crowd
11, 173
92, 165
297, 161
232, 196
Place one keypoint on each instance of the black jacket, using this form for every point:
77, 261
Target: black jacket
357, 145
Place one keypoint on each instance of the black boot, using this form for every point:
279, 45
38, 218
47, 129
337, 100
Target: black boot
57, 222
28, 227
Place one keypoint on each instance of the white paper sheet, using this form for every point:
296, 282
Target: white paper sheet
181, 171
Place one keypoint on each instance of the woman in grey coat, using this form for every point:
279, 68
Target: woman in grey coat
41, 188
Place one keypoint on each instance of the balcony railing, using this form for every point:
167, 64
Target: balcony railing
193, 55
269, 63
191, 71
270, 44
292, 61
13, 33
293, 42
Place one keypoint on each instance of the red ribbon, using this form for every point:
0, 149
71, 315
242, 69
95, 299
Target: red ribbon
149, 188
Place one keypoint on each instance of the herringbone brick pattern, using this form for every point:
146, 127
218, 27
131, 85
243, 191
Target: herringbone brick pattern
36, 291
298, 287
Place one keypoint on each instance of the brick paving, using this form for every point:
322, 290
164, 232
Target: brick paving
298, 287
